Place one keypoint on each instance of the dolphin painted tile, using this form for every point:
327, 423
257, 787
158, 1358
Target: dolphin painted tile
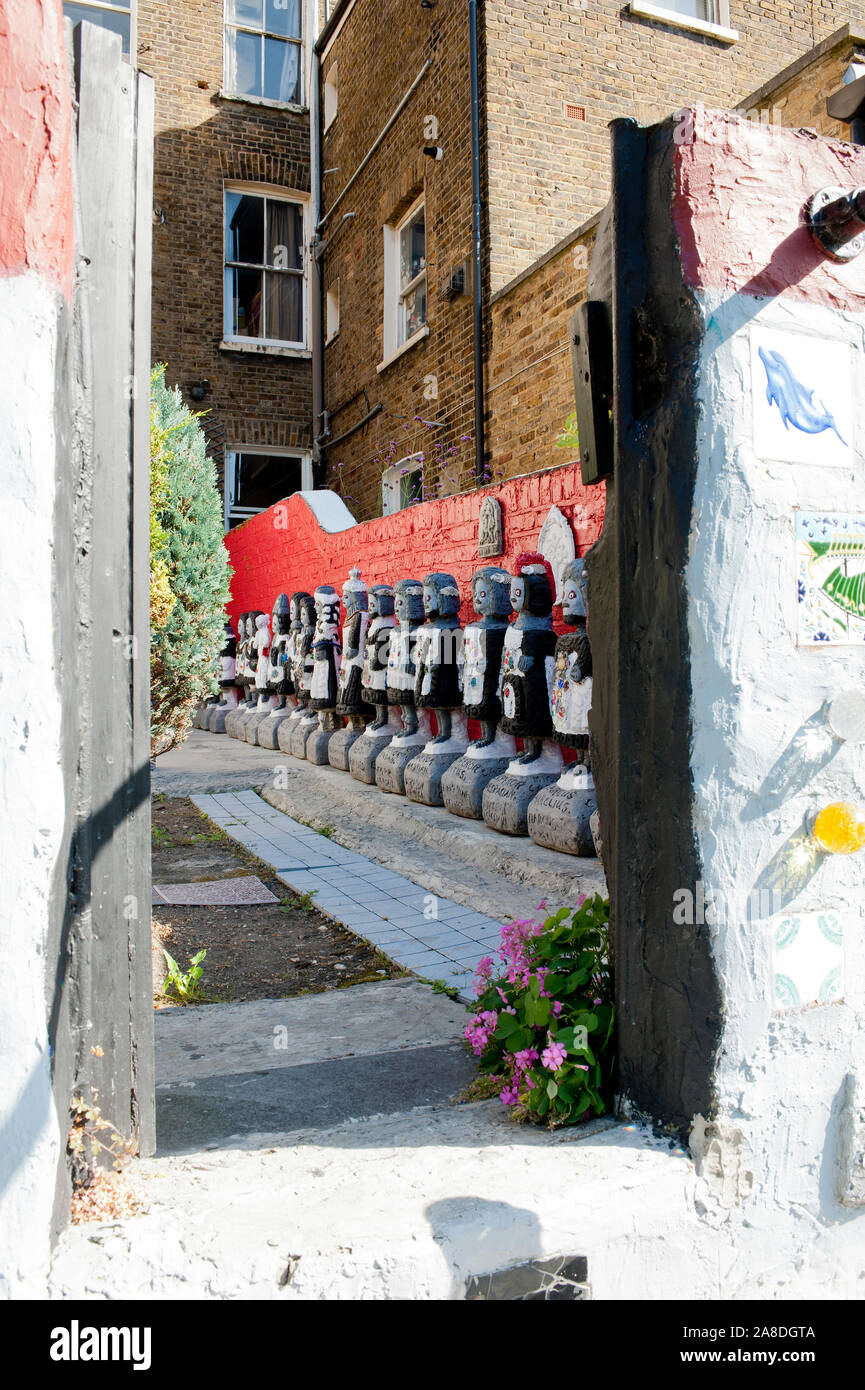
807, 959
802, 398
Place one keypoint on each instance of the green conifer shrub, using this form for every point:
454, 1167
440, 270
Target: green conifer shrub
189, 566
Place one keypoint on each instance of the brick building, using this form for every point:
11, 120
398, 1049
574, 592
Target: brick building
314, 285
233, 313
399, 370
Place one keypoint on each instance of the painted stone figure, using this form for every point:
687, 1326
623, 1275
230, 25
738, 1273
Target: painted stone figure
228, 693
524, 689
239, 659
204, 712
248, 658
279, 676
401, 675
350, 703
487, 757
323, 690
437, 688
294, 733
387, 722
267, 697
559, 817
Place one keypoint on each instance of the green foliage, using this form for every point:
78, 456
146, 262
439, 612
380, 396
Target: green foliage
544, 1026
189, 560
570, 435
185, 982
442, 987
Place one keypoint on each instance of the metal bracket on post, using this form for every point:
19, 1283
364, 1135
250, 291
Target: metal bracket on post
592, 360
836, 220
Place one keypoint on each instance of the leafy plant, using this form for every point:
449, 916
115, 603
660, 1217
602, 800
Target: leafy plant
185, 982
543, 1027
189, 566
442, 987
570, 435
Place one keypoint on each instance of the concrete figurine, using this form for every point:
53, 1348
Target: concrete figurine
279, 677
296, 730
235, 723
401, 673
267, 697
560, 815
229, 693
323, 690
437, 688
524, 688
387, 722
350, 703
487, 757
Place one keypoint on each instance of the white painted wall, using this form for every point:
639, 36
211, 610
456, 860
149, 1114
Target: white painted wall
31, 782
781, 1076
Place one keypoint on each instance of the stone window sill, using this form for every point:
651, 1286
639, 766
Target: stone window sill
268, 349
683, 21
247, 100
394, 356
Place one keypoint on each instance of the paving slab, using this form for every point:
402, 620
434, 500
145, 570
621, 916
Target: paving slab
245, 891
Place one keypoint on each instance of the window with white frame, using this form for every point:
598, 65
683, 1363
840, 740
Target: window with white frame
693, 14
331, 95
402, 485
332, 312
264, 49
115, 15
405, 296
256, 479
265, 282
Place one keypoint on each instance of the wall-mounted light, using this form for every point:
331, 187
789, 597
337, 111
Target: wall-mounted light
158, 216
199, 389
433, 151
427, 4
836, 221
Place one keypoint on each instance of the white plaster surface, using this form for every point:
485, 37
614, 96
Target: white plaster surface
760, 771
329, 510
31, 780
409, 1206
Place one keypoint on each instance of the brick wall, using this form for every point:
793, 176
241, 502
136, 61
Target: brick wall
285, 549
203, 140
547, 173
379, 52
796, 97
530, 392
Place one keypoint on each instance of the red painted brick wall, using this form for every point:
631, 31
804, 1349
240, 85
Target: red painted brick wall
284, 549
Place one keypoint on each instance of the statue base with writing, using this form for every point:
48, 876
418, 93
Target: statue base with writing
423, 775
560, 815
506, 799
466, 780
392, 762
364, 753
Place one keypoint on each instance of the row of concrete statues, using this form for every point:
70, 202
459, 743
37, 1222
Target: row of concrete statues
361, 696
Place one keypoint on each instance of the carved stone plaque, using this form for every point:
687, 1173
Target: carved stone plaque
556, 544
490, 541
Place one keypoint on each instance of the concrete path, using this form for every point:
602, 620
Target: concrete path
228, 1072
430, 935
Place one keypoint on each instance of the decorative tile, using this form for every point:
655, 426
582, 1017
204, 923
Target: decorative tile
223, 892
807, 959
803, 398
830, 578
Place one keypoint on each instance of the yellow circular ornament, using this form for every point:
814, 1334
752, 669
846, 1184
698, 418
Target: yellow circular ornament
840, 828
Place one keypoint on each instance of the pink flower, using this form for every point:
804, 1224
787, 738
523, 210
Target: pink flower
524, 1059
557, 1007
553, 1056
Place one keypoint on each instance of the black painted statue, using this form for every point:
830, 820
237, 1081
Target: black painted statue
483, 643
528, 655
279, 675
401, 670
323, 690
438, 653
376, 648
571, 695
350, 695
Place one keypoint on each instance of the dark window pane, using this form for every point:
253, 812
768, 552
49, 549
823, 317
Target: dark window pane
263, 479
414, 311
284, 235
284, 307
281, 70
246, 12
411, 488
244, 63
244, 228
413, 248
117, 23
283, 17
245, 290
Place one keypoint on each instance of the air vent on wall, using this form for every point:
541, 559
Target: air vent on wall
574, 112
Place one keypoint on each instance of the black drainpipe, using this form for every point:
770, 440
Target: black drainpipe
480, 447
